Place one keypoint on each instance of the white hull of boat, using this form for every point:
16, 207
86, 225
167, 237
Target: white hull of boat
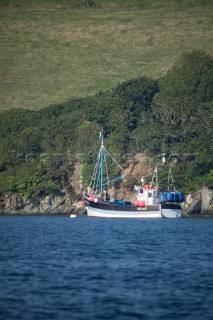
171, 213
162, 213
99, 213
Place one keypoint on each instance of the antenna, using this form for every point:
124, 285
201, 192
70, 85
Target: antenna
163, 155
102, 137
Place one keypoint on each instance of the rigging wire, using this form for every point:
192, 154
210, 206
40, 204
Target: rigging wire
114, 160
107, 175
94, 182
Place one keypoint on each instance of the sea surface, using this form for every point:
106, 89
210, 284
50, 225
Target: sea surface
54, 267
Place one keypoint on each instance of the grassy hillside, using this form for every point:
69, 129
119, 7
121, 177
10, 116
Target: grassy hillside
52, 50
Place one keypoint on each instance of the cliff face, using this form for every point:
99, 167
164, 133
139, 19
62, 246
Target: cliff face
60, 203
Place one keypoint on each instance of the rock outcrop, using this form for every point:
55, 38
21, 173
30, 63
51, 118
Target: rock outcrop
200, 202
56, 203
66, 201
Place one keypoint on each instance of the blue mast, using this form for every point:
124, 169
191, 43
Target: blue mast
101, 162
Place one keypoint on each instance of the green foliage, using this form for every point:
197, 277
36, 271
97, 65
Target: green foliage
87, 170
184, 101
28, 179
38, 149
209, 179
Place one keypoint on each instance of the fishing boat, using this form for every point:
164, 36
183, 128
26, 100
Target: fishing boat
149, 201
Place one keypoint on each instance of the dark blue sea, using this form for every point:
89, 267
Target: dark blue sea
54, 267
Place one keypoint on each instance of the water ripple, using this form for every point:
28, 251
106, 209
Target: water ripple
61, 268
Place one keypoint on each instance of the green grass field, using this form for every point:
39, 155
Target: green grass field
51, 51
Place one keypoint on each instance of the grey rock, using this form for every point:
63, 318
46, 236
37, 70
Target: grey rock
49, 204
199, 202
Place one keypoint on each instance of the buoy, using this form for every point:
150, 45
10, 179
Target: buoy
95, 200
136, 203
73, 216
91, 198
141, 203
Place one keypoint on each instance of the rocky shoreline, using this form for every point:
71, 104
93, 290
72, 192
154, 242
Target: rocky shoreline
199, 203
69, 200
56, 203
